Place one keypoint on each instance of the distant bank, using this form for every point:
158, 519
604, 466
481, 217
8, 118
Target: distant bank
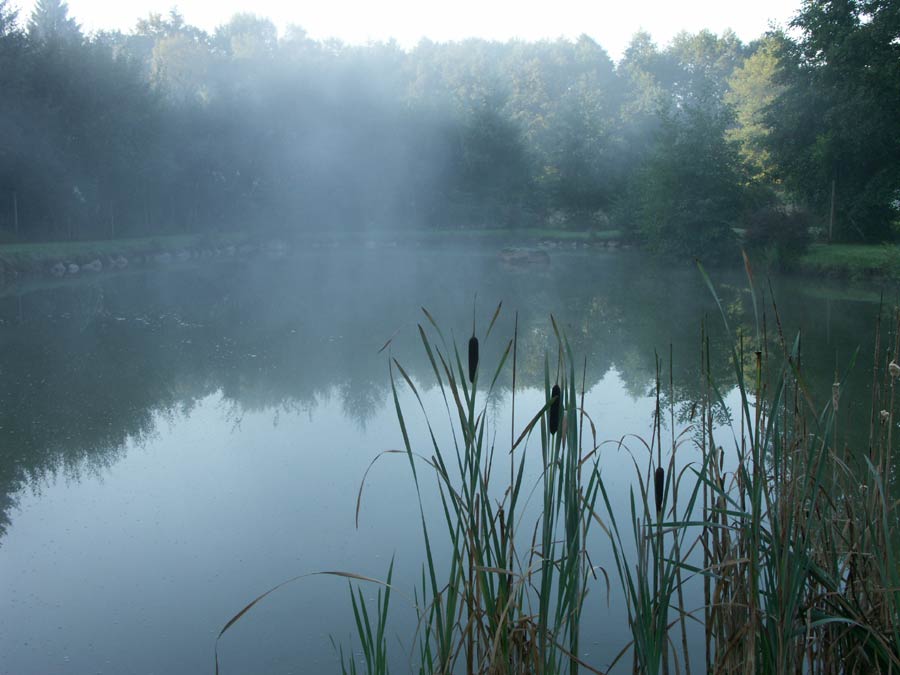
75, 259
852, 261
29, 261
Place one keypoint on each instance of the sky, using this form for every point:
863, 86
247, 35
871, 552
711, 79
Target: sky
611, 24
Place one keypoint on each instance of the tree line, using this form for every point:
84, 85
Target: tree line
169, 128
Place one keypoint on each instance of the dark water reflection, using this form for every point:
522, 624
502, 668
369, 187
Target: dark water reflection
222, 374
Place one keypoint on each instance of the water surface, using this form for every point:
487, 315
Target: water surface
173, 442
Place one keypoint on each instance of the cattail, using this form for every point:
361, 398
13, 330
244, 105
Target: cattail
473, 357
659, 480
555, 396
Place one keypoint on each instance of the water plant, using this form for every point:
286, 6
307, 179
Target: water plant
791, 534
503, 605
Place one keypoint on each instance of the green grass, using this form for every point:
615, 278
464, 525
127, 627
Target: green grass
852, 260
526, 234
56, 250
38, 252
498, 235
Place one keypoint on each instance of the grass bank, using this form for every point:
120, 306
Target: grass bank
42, 259
527, 235
41, 252
34, 260
852, 261
486, 236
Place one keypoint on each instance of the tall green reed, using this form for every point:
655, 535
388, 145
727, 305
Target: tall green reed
792, 535
503, 606
799, 568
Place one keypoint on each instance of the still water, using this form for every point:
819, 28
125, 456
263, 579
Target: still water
174, 442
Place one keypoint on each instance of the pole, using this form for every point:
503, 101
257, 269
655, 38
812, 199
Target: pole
831, 216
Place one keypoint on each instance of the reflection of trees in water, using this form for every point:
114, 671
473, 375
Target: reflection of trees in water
85, 369
75, 385
360, 400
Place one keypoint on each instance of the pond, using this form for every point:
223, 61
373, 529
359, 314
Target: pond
174, 442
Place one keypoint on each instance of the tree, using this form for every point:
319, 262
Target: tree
179, 65
689, 196
752, 89
495, 172
699, 65
836, 127
246, 36
50, 22
8, 17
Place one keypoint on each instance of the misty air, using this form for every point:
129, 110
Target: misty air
449, 340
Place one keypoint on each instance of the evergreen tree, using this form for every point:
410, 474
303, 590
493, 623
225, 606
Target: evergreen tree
50, 21
8, 16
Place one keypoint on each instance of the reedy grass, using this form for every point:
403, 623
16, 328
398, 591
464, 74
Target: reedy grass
371, 638
790, 549
500, 609
792, 536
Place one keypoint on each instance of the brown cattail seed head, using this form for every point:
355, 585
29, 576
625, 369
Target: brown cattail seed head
473, 357
659, 481
555, 396
894, 369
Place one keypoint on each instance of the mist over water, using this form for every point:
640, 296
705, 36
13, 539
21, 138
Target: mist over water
217, 247
176, 442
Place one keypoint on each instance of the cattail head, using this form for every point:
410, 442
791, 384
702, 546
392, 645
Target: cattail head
555, 396
659, 481
473, 357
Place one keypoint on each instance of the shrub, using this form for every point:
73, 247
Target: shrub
777, 235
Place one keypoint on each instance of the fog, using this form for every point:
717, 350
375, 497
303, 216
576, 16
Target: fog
168, 128
213, 244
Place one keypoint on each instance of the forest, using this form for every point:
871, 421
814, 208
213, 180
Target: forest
683, 147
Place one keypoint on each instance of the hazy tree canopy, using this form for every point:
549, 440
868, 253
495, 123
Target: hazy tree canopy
8, 17
171, 129
50, 22
247, 36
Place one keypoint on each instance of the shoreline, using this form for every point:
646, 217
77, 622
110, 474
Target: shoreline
851, 262
78, 259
